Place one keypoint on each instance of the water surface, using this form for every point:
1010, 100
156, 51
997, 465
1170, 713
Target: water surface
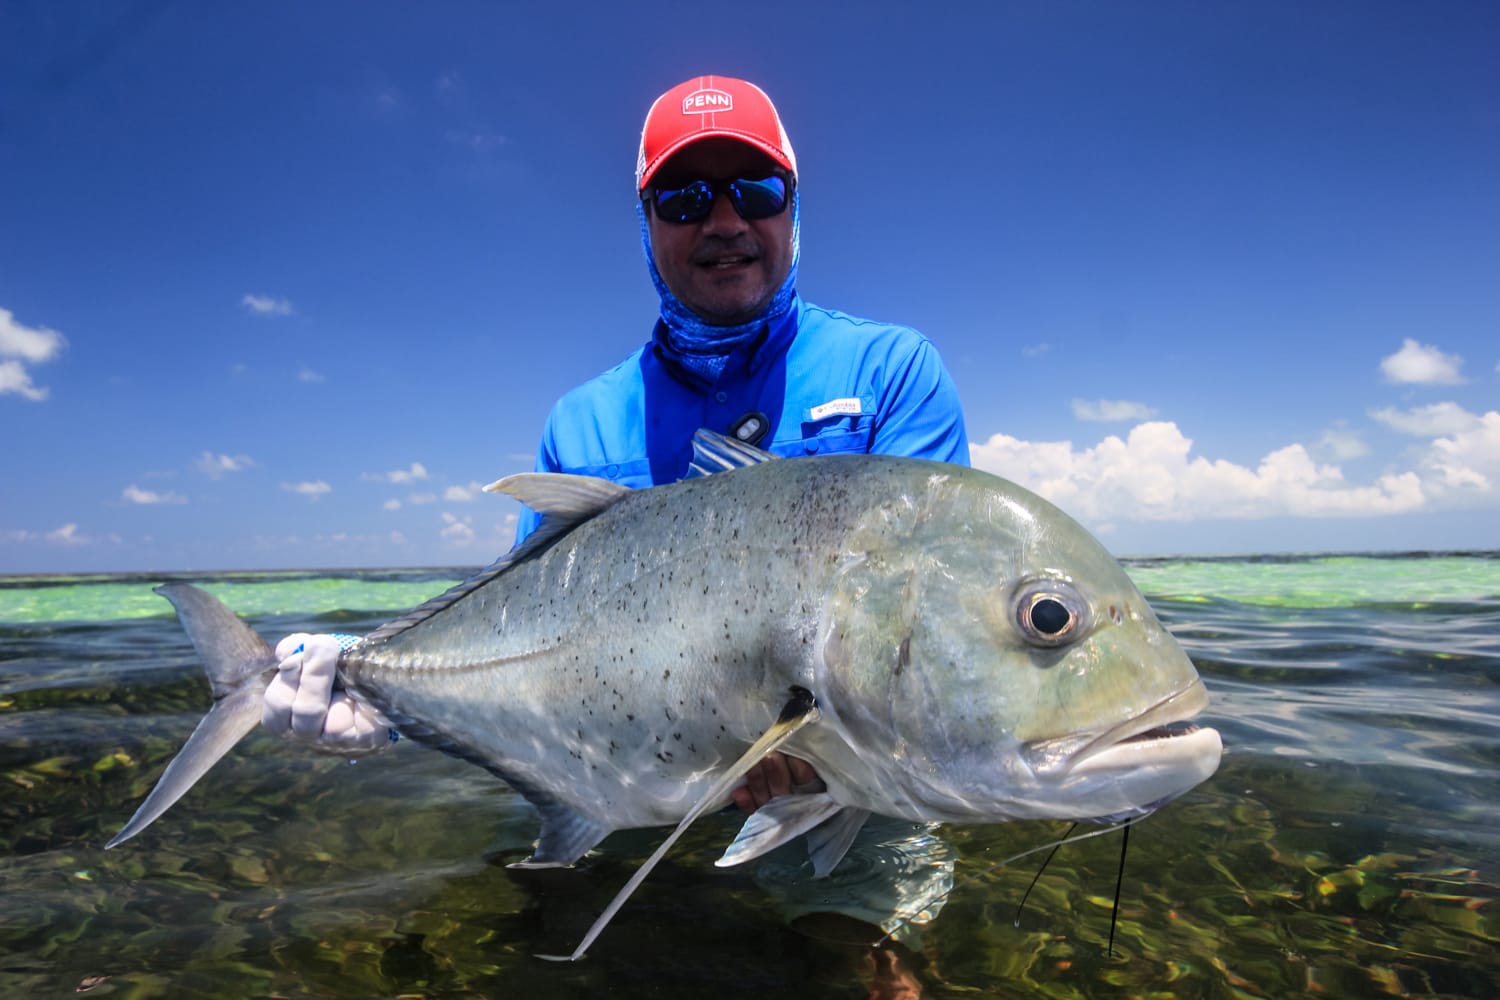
1348, 845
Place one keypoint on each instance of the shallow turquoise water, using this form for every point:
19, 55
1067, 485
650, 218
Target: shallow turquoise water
1348, 845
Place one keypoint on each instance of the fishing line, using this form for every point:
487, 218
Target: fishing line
1114, 914
1038, 876
1051, 846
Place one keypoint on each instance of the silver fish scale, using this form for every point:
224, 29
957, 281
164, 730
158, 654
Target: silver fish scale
623, 666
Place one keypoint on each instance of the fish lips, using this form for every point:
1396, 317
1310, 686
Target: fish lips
1159, 740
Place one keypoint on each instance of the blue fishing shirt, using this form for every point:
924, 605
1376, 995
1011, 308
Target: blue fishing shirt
829, 383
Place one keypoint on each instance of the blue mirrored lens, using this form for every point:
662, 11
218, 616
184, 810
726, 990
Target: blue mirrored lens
759, 199
752, 199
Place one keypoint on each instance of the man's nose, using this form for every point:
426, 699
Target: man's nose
722, 218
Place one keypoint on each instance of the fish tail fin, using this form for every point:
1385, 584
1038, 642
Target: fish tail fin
239, 665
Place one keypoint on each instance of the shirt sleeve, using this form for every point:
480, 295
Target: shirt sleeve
920, 416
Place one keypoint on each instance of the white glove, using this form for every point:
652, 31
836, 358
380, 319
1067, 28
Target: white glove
301, 703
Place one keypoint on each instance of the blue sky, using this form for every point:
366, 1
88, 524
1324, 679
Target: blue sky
281, 284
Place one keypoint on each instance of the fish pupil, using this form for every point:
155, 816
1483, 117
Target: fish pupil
1049, 617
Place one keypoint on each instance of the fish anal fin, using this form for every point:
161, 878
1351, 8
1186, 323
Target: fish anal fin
566, 836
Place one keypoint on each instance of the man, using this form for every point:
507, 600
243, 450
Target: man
735, 349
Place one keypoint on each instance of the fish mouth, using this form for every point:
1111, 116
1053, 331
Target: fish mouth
1160, 736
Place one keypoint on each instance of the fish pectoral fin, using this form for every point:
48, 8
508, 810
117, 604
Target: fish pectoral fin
566, 836
801, 709
827, 844
775, 823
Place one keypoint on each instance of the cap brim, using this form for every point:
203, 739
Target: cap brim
753, 141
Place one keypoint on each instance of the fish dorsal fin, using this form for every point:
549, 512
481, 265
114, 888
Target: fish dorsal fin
801, 709
564, 502
559, 496
714, 452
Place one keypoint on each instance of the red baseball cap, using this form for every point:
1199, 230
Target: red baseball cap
707, 107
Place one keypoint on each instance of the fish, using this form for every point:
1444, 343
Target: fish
940, 644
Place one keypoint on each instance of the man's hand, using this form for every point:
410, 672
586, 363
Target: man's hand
301, 703
777, 774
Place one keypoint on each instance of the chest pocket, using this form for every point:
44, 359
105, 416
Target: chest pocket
840, 426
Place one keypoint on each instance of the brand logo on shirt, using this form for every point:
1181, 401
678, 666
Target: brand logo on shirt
706, 102
850, 406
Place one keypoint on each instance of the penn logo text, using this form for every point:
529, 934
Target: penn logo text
707, 101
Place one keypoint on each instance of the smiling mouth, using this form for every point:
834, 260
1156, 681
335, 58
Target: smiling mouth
724, 263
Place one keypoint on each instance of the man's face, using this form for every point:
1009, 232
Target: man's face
724, 268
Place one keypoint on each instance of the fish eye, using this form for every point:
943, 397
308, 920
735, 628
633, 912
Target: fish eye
1049, 613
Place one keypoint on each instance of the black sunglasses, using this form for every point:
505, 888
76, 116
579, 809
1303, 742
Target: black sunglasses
757, 198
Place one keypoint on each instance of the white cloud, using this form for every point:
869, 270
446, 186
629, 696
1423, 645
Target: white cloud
392, 504
1150, 476
15, 378
134, 494
29, 343
1465, 465
310, 376
463, 494
312, 491
68, 534
1427, 421
457, 530
416, 472
267, 305
32, 345
1422, 364
217, 466
1110, 410
421, 499
1035, 350
1341, 444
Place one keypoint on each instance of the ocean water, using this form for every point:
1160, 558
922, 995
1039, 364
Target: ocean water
1348, 846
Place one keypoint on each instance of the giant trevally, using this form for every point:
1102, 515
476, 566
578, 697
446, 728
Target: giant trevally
940, 644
